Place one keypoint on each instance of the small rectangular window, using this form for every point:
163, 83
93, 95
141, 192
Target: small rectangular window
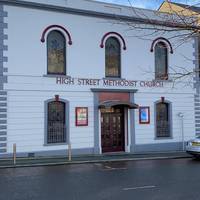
163, 120
56, 126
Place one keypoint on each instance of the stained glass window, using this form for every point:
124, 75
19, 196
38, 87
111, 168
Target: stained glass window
56, 53
56, 122
162, 120
113, 57
161, 61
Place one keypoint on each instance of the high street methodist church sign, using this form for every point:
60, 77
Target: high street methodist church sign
107, 82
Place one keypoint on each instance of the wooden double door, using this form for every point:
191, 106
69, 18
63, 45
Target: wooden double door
112, 130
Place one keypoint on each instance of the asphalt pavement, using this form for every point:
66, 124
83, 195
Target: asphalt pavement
165, 179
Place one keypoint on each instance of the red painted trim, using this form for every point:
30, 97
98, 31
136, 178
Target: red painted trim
109, 96
59, 27
148, 110
76, 112
113, 33
161, 39
162, 99
57, 98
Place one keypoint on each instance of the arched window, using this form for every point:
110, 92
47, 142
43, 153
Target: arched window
163, 121
56, 53
161, 61
56, 122
113, 57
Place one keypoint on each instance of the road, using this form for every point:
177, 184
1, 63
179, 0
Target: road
175, 179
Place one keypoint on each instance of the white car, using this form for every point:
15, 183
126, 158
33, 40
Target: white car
193, 147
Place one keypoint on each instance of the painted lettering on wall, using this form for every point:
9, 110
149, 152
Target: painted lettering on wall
107, 82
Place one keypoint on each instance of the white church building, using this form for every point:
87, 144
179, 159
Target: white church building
76, 72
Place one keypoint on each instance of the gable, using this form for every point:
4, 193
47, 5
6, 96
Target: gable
176, 9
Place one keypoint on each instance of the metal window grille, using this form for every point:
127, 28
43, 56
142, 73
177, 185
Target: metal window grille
56, 123
163, 128
162, 120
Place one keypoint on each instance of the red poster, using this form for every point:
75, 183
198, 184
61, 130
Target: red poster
81, 116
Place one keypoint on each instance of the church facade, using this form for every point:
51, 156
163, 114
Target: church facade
74, 72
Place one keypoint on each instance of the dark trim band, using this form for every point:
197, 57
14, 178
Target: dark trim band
113, 33
113, 90
161, 39
59, 27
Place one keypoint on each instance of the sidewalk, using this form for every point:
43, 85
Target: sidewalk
47, 161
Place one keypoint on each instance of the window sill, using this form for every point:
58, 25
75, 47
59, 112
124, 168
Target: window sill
56, 75
160, 80
56, 144
113, 78
163, 138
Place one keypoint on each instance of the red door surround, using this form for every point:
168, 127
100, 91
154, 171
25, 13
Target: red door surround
107, 96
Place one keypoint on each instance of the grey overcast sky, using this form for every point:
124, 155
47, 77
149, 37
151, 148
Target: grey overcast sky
150, 4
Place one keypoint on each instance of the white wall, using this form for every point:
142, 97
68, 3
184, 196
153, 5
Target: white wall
26, 120
183, 103
28, 89
27, 55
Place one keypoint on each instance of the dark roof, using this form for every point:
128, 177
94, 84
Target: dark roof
192, 8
